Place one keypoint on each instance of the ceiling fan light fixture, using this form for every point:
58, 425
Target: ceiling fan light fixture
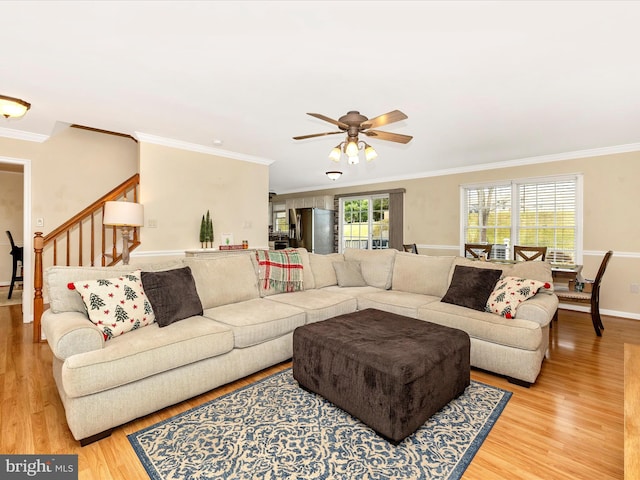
352, 149
335, 154
13, 107
353, 160
369, 152
333, 174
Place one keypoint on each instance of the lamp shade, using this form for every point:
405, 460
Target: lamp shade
352, 149
124, 214
335, 154
369, 153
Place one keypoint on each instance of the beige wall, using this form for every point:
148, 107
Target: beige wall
71, 170
68, 172
178, 187
11, 204
611, 197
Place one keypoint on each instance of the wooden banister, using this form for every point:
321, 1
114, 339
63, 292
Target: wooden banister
75, 226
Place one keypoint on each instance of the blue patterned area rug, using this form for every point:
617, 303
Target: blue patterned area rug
273, 429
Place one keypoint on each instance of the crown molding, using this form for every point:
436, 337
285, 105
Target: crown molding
21, 135
194, 147
556, 157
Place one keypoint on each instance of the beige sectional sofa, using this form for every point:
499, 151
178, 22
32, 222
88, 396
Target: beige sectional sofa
245, 328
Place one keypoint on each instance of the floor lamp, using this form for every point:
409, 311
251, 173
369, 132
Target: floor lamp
124, 215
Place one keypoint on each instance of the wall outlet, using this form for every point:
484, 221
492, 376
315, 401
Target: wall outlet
39, 222
152, 223
634, 288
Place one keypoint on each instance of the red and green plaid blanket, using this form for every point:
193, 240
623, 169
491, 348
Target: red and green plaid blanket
280, 270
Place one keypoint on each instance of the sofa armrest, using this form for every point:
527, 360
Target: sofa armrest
69, 333
540, 308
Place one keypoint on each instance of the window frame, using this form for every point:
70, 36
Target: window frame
279, 208
370, 198
515, 185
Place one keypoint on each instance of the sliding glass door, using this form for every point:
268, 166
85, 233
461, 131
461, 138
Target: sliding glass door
364, 222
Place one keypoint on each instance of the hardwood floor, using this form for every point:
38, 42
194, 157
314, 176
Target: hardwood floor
568, 425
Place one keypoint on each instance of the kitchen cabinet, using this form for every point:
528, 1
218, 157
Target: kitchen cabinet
319, 201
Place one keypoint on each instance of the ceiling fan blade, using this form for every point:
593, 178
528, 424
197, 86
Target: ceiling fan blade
386, 119
392, 137
330, 120
302, 137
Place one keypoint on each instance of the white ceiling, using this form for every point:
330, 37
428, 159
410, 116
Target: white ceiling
481, 82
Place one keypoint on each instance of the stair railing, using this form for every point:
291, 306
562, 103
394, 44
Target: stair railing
68, 241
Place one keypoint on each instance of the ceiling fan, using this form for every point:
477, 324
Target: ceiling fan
353, 123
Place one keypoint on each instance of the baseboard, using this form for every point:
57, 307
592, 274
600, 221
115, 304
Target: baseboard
603, 311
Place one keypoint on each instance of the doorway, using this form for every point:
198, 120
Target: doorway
14, 164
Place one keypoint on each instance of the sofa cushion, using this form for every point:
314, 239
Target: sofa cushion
376, 265
354, 292
517, 333
324, 273
56, 279
470, 287
144, 352
540, 271
394, 301
510, 292
349, 274
257, 321
428, 275
172, 294
307, 272
115, 305
224, 279
318, 304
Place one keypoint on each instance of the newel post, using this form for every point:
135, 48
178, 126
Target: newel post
38, 302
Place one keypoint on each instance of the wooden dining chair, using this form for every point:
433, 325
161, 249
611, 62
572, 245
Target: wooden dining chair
592, 298
18, 256
477, 249
528, 254
410, 247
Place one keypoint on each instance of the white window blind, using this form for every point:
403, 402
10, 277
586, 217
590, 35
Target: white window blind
548, 216
528, 212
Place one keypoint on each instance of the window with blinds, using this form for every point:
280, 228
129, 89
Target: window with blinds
548, 216
528, 212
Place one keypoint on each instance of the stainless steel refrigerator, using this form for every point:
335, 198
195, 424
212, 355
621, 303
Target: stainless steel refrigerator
311, 228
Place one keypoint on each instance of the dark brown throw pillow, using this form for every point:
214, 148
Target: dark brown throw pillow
172, 294
470, 287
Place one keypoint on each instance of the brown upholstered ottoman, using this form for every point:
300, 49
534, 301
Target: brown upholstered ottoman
390, 371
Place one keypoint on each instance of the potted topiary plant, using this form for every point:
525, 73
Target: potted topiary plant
206, 231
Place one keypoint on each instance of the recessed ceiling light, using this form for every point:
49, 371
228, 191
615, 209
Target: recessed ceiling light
217, 141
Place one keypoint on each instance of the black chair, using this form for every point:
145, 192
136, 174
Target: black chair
410, 247
18, 256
